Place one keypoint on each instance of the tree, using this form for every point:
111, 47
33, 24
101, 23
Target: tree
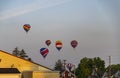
21, 54
16, 52
114, 68
59, 66
83, 70
99, 66
87, 65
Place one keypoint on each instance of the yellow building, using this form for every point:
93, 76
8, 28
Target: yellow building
27, 68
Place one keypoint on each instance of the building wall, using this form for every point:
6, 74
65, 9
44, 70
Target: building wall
10, 75
8, 60
27, 68
39, 74
27, 74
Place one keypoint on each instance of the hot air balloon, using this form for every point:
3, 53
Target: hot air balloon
48, 42
44, 52
74, 43
26, 27
69, 66
58, 45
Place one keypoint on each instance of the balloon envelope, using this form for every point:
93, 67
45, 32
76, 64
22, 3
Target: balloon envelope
26, 27
58, 45
44, 52
48, 42
69, 66
74, 43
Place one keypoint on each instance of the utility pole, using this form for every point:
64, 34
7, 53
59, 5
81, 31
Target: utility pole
74, 72
109, 66
64, 62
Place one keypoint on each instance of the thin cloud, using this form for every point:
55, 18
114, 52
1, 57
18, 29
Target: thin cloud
30, 8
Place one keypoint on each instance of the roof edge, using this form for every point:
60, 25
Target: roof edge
27, 60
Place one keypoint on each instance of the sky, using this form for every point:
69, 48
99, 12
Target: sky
95, 24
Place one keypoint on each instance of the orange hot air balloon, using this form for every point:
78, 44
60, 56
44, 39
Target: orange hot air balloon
58, 45
74, 43
26, 27
48, 42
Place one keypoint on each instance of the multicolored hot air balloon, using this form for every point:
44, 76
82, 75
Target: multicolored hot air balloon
58, 44
69, 66
48, 42
26, 27
74, 43
44, 52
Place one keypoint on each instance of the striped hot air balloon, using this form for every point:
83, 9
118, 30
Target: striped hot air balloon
69, 66
58, 45
44, 52
26, 27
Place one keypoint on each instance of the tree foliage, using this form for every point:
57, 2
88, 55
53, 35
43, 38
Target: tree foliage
87, 65
21, 53
59, 66
114, 68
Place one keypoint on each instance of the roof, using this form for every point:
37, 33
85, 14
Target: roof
9, 70
26, 60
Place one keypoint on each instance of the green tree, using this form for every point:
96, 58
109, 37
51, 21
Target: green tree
87, 65
99, 66
114, 68
21, 54
16, 52
59, 66
83, 70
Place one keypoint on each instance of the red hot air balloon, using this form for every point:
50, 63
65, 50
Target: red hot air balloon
44, 52
74, 43
69, 66
58, 45
48, 42
26, 27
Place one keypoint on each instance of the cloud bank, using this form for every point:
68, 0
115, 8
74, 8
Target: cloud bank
37, 5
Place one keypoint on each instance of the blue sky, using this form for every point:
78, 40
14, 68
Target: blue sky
93, 23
